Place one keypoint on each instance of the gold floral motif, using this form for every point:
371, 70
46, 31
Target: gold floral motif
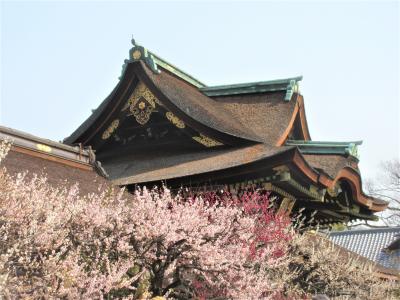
136, 54
206, 141
109, 131
174, 120
141, 91
142, 112
141, 103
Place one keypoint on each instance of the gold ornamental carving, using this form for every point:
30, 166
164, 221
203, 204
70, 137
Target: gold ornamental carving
43, 148
109, 131
206, 141
136, 54
142, 103
142, 112
174, 120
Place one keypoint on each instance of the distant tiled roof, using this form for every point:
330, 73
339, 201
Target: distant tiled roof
371, 243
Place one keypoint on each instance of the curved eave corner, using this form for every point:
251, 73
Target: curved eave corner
298, 111
353, 177
348, 174
96, 113
101, 114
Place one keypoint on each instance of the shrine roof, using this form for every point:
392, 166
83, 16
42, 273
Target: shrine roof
247, 123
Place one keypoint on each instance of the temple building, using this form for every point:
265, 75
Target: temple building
160, 125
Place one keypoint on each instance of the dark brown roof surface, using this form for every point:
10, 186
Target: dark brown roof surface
258, 117
331, 164
267, 114
56, 173
198, 106
162, 164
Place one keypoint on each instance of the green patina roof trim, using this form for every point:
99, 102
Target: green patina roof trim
178, 72
153, 61
317, 147
290, 85
139, 53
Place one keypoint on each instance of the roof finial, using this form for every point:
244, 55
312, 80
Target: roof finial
137, 53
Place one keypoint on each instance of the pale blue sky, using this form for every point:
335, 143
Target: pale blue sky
59, 60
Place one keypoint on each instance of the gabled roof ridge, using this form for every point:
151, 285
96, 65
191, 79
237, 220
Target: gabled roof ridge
325, 143
252, 83
138, 52
177, 71
290, 85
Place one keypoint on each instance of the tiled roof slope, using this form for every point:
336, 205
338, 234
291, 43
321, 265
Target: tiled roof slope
371, 243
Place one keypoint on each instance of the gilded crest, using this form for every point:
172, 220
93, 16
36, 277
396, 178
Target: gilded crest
206, 141
141, 103
174, 120
109, 131
142, 111
136, 54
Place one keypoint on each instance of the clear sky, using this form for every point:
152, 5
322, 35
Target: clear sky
59, 60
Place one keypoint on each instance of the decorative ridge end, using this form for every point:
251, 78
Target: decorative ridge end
352, 149
318, 147
293, 87
137, 53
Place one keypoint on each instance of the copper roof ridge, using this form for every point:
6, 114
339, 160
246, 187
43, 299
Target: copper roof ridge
326, 147
140, 53
287, 84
